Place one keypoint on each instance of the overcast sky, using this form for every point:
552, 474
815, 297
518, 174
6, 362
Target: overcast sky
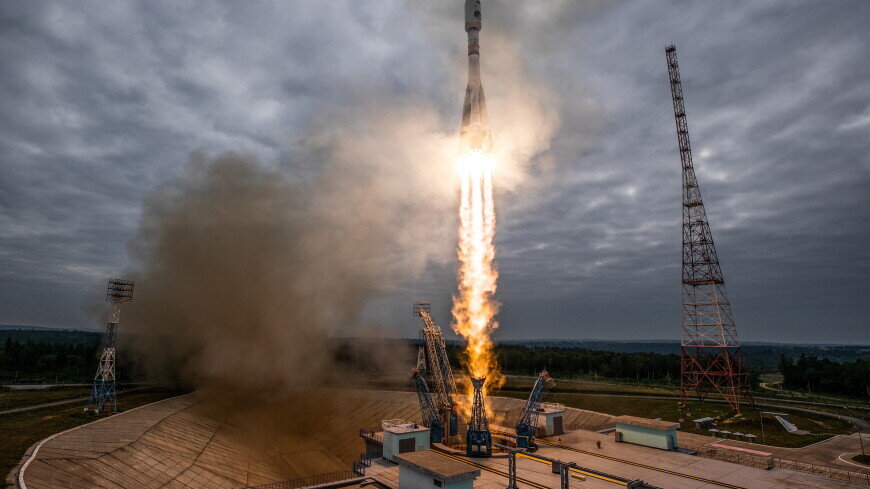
104, 101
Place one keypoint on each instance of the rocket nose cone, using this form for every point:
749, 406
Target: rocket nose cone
472, 14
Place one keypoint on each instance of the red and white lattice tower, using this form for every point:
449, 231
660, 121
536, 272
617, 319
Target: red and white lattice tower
711, 359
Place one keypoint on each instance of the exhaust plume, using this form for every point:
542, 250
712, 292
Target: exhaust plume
244, 270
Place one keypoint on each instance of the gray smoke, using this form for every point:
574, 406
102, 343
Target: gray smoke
244, 268
244, 274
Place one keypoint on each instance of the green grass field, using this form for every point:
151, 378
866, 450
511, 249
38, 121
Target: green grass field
610, 387
604, 397
19, 431
820, 427
16, 399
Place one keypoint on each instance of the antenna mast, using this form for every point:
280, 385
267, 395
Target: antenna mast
711, 358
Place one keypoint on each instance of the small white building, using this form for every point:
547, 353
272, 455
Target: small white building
550, 419
704, 423
400, 436
647, 432
426, 469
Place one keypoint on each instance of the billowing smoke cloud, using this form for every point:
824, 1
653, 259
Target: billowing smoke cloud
245, 268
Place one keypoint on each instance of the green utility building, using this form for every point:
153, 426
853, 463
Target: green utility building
647, 432
426, 469
400, 436
550, 416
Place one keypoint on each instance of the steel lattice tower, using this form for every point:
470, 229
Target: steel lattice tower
119, 292
478, 438
711, 359
439, 367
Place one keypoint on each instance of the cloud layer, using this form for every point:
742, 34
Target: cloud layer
104, 103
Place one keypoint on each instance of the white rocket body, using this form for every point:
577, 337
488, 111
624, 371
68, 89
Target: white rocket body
474, 132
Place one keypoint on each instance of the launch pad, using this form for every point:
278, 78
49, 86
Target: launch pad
184, 443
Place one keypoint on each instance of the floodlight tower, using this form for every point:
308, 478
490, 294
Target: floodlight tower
711, 358
119, 292
478, 439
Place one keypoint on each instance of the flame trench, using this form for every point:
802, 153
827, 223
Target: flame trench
474, 309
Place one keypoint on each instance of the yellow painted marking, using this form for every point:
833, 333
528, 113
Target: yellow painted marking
488, 469
590, 474
597, 476
534, 459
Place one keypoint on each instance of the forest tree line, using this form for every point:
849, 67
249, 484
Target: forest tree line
581, 362
809, 373
42, 361
38, 357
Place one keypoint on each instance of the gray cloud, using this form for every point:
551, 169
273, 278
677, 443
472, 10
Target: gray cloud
101, 104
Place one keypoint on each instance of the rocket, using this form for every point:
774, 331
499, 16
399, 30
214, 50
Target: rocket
474, 133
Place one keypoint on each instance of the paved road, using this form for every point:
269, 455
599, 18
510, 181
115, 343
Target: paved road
39, 387
816, 403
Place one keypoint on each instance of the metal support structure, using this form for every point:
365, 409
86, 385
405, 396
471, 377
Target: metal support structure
104, 391
421, 360
565, 476
431, 417
711, 358
564, 469
512, 470
439, 368
528, 422
478, 439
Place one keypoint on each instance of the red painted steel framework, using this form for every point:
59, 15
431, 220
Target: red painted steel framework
711, 359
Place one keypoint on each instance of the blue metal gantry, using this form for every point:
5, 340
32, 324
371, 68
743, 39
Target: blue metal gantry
431, 419
439, 369
528, 422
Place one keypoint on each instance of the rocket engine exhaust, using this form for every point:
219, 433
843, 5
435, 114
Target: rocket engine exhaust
474, 308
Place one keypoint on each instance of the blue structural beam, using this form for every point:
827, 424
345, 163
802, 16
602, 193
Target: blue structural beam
528, 422
428, 410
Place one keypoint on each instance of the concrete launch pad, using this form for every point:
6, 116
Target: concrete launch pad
186, 442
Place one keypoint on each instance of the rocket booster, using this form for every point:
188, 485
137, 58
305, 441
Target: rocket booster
474, 132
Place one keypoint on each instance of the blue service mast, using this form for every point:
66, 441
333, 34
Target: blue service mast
431, 419
528, 423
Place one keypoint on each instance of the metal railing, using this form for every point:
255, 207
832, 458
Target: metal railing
312, 480
757, 461
358, 470
371, 436
830, 472
763, 462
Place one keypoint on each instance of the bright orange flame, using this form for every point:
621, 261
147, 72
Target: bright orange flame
474, 309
